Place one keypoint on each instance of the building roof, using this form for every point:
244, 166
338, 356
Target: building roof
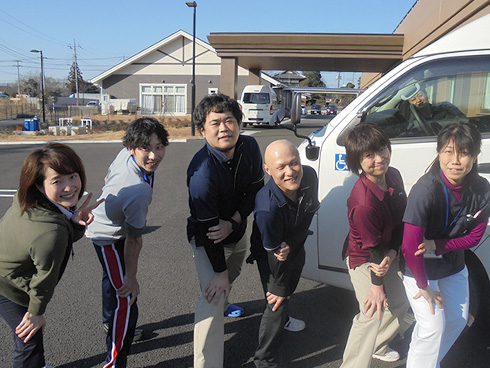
290, 74
147, 51
114, 70
311, 51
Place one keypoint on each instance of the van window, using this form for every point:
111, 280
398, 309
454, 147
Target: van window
256, 98
433, 95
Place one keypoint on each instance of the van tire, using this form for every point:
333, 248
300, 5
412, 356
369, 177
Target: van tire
479, 293
244, 125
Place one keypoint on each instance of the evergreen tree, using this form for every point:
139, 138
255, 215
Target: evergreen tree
88, 87
72, 78
313, 79
83, 86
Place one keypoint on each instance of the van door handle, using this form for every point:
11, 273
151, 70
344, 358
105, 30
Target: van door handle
484, 168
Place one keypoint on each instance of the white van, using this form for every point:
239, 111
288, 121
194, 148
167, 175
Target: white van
454, 71
259, 103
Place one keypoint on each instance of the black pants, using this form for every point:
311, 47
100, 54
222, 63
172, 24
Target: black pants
270, 335
272, 323
31, 353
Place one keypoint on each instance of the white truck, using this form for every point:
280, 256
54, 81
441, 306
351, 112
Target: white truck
456, 70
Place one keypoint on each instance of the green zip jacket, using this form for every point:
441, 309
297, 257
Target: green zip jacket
34, 250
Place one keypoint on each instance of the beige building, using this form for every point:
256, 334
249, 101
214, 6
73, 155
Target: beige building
159, 77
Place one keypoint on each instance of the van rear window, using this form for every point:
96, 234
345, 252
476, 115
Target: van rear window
256, 98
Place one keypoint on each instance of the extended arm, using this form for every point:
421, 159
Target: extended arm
470, 240
132, 249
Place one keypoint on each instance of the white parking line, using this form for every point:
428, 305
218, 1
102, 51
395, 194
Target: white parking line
7, 193
248, 132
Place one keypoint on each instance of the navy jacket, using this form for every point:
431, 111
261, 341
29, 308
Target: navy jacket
279, 219
218, 188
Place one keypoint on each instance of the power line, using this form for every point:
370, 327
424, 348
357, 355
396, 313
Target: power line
36, 32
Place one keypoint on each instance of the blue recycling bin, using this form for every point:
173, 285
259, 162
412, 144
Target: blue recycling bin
31, 125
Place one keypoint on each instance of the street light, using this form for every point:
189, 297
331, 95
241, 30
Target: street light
193, 4
42, 82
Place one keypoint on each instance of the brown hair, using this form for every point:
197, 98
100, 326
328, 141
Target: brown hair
58, 157
365, 137
465, 136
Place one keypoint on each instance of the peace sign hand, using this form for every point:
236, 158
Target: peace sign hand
84, 215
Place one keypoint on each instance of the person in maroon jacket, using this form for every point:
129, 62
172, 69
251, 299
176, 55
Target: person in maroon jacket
375, 209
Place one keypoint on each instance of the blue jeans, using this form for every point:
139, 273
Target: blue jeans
31, 353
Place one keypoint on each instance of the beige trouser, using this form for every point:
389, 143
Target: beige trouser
209, 318
369, 335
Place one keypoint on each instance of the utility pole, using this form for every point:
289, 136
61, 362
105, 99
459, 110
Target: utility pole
76, 71
18, 76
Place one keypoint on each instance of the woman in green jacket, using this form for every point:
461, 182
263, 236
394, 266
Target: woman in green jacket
36, 237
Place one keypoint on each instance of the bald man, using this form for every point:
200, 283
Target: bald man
284, 208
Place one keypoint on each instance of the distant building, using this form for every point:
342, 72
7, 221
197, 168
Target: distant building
159, 77
290, 78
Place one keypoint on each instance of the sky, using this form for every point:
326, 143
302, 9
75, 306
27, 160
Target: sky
107, 32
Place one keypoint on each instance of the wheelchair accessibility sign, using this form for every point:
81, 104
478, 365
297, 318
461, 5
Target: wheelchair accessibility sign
340, 162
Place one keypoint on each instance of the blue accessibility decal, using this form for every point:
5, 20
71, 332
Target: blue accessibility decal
340, 162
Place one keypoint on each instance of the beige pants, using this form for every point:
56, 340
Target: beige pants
369, 335
209, 318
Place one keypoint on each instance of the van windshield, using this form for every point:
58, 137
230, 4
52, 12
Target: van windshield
434, 95
256, 98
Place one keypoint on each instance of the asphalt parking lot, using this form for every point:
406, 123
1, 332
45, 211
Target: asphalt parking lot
169, 289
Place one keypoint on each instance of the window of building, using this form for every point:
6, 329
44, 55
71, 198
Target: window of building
163, 99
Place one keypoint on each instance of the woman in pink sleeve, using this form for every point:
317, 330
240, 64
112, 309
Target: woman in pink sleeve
447, 212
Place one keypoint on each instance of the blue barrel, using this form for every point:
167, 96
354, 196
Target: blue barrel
27, 125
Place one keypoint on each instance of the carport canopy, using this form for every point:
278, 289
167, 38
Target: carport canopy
376, 53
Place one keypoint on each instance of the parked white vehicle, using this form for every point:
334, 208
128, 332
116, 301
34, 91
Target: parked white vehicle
259, 103
455, 73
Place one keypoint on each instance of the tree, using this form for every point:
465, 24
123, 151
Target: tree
75, 73
32, 87
83, 86
88, 87
313, 79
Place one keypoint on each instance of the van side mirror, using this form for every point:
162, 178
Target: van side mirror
296, 109
312, 152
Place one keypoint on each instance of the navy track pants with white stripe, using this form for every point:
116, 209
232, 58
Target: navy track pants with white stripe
116, 311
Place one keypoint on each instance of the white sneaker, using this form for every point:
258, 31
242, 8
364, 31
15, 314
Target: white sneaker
390, 356
294, 325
